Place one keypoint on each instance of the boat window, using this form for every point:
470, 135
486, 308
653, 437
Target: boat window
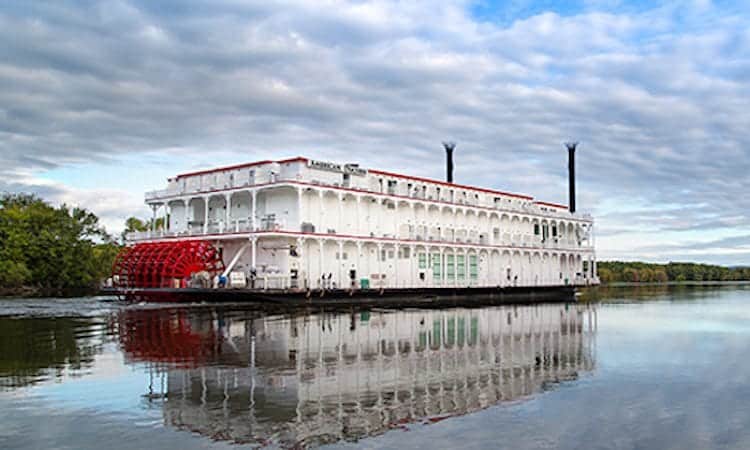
422, 261
473, 270
436, 272
461, 267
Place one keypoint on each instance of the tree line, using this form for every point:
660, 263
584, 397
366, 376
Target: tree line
50, 249
640, 272
53, 250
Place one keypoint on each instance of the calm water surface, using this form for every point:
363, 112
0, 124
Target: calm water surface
667, 368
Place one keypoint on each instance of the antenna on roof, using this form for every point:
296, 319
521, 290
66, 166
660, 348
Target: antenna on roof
449, 147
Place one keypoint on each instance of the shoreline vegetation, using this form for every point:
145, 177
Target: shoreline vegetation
51, 251
635, 272
63, 252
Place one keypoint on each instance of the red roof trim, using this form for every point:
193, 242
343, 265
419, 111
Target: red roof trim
554, 205
444, 183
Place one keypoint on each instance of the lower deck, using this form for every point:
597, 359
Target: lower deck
396, 297
315, 262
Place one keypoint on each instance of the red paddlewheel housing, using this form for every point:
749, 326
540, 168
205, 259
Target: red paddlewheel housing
164, 264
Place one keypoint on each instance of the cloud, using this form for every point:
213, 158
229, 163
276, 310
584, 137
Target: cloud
657, 96
110, 205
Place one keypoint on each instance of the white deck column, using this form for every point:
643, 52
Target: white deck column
303, 254
205, 214
341, 264
395, 264
380, 262
154, 207
454, 281
466, 267
359, 214
359, 254
488, 275
379, 219
321, 228
412, 257
442, 265
321, 245
253, 226
185, 214
253, 251
299, 208
340, 222
227, 215
415, 228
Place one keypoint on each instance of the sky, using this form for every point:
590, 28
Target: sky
101, 101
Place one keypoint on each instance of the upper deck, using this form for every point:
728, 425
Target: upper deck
351, 177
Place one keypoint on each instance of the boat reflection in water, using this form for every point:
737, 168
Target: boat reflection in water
314, 379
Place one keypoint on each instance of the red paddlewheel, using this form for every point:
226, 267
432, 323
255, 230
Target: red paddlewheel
159, 264
166, 336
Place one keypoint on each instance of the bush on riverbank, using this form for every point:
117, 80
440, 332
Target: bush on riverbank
640, 272
48, 249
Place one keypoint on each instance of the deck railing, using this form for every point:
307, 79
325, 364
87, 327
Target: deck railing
244, 227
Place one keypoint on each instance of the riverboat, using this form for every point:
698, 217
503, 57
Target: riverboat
301, 228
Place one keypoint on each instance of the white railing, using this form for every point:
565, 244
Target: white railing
194, 230
245, 226
156, 194
211, 187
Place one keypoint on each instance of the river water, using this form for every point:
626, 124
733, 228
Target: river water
646, 368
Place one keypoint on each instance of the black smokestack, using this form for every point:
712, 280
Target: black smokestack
572, 175
449, 147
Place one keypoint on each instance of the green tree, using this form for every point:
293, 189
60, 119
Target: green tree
630, 274
605, 275
645, 275
660, 276
14, 274
673, 271
51, 248
133, 224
